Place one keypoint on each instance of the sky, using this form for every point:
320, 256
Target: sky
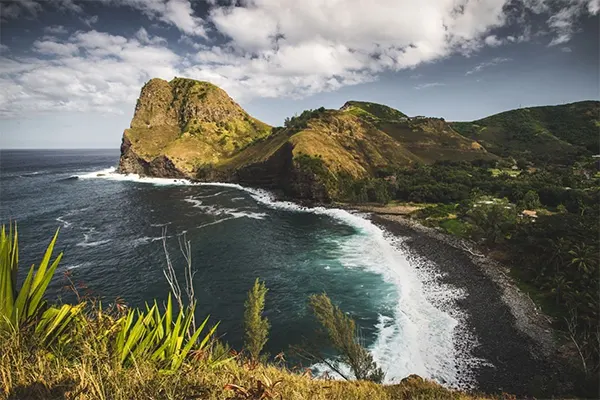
71, 71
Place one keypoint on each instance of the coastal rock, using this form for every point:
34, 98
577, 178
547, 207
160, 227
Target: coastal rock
192, 129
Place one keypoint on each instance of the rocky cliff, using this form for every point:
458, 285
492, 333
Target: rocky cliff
192, 129
182, 125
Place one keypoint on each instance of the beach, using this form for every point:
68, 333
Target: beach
514, 338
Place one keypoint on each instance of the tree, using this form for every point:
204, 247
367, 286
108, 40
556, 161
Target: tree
344, 336
492, 219
255, 325
531, 200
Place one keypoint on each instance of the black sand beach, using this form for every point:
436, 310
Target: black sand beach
513, 336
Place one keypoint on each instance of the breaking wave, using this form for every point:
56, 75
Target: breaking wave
421, 334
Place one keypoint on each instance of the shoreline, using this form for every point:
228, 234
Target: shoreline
514, 338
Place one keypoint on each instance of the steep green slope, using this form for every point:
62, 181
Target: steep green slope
430, 139
372, 112
183, 124
316, 158
549, 134
193, 129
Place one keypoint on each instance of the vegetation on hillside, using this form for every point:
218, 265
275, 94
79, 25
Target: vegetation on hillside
542, 222
192, 123
540, 135
373, 112
344, 335
90, 351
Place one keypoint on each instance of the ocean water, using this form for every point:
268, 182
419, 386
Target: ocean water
111, 227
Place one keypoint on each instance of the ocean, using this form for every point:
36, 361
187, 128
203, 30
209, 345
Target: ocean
111, 229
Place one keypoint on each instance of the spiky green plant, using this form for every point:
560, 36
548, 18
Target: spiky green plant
25, 306
155, 336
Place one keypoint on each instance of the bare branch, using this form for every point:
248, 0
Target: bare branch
185, 247
572, 327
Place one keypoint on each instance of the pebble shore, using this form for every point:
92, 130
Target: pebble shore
514, 337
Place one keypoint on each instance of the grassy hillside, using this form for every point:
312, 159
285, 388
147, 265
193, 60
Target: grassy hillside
323, 150
429, 139
188, 128
191, 123
550, 134
29, 372
372, 112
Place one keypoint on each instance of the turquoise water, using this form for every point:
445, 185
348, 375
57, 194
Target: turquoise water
111, 228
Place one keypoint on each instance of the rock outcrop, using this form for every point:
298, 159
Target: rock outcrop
190, 129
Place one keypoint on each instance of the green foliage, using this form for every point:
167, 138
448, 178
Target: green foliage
455, 227
492, 220
256, 326
54, 325
25, 306
531, 200
367, 190
345, 338
300, 122
558, 255
436, 211
152, 335
373, 112
542, 135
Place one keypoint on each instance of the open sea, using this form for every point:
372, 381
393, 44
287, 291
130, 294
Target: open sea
110, 232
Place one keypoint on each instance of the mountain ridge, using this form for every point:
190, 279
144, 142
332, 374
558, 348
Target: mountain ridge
192, 129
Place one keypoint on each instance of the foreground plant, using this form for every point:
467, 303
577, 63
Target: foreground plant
151, 335
345, 337
255, 325
25, 307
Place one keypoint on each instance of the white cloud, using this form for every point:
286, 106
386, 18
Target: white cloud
487, 64
564, 17
91, 71
68, 5
429, 85
19, 8
267, 48
54, 48
143, 36
89, 21
493, 41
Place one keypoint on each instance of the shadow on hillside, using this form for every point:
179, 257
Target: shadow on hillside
41, 390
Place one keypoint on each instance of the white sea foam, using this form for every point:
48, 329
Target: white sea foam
92, 244
426, 329
145, 240
89, 243
213, 209
66, 224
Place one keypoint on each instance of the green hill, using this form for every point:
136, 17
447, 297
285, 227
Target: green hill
182, 124
192, 129
430, 139
549, 134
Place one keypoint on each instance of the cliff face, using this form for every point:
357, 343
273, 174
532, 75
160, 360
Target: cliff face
183, 125
192, 129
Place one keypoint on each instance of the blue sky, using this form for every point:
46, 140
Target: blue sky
70, 71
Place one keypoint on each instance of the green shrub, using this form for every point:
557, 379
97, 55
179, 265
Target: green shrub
255, 325
344, 336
